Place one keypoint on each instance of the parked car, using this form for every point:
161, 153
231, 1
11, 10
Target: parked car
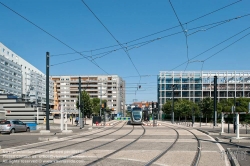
12, 126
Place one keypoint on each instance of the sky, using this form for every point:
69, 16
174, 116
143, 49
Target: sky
135, 39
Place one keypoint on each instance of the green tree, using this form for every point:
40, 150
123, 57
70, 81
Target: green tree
85, 101
128, 113
206, 107
96, 105
186, 107
167, 107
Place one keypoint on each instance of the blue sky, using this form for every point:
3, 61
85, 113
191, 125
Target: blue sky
73, 24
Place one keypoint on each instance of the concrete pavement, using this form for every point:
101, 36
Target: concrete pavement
152, 141
237, 150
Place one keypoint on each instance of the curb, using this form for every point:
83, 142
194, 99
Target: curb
242, 140
233, 160
206, 132
221, 140
47, 138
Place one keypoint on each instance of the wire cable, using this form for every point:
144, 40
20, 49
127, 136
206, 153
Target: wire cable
138, 45
50, 35
162, 30
208, 50
227, 47
212, 47
113, 37
184, 31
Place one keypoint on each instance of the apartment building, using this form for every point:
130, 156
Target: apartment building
22, 79
196, 85
106, 87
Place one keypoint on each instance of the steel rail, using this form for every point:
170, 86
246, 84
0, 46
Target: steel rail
84, 151
197, 157
98, 160
165, 151
18, 158
59, 141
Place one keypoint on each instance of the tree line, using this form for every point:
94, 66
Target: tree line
184, 108
91, 106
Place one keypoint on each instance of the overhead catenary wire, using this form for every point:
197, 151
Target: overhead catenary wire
212, 47
226, 47
176, 26
57, 39
218, 44
113, 38
184, 31
138, 45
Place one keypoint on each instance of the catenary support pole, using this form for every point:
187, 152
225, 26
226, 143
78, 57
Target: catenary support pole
215, 100
47, 91
173, 104
234, 118
79, 103
101, 100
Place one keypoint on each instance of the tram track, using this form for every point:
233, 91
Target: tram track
165, 151
59, 140
84, 151
118, 150
57, 148
196, 159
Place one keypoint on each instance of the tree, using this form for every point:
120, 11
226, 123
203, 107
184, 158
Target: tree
85, 101
96, 105
206, 107
186, 107
167, 107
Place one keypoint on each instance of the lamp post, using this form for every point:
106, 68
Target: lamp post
173, 103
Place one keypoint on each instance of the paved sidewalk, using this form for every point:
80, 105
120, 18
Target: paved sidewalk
237, 150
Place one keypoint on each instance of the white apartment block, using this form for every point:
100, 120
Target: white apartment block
21, 78
196, 85
106, 87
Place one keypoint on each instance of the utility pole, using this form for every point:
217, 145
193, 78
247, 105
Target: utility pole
79, 103
215, 100
101, 100
173, 104
234, 116
47, 90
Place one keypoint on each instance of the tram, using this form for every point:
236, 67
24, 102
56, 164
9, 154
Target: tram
136, 115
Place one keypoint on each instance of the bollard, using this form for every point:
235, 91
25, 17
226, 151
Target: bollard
228, 127
246, 128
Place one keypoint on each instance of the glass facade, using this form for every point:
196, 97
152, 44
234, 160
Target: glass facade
195, 85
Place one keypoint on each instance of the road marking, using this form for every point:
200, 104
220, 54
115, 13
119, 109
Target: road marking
221, 149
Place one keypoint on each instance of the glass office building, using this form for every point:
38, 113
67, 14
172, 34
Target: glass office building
196, 85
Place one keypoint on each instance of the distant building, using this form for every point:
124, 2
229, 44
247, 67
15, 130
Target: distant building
106, 87
14, 108
196, 85
142, 104
22, 79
